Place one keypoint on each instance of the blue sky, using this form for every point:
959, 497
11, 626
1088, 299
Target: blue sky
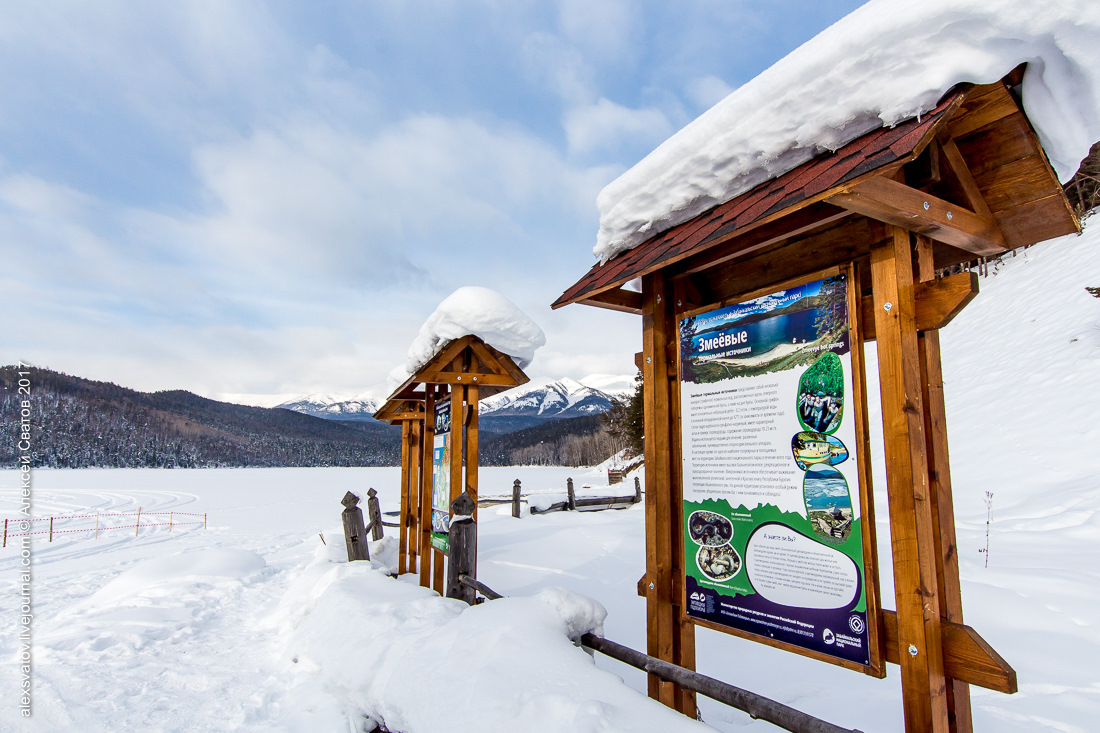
242, 198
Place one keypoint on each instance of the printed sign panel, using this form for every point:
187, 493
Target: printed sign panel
773, 537
441, 477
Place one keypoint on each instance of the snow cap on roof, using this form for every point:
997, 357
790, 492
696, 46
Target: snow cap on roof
479, 312
888, 61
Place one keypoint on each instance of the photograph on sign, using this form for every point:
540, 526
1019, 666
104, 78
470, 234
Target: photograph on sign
774, 540
441, 477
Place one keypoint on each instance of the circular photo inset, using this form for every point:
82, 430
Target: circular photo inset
828, 503
821, 394
810, 448
718, 563
709, 529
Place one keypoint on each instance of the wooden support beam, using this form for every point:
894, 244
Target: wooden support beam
670, 635
916, 588
895, 203
460, 378
939, 476
416, 451
427, 442
937, 302
967, 657
625, 301
403, 523
471, 447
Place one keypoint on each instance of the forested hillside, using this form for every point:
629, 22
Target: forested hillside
77, 423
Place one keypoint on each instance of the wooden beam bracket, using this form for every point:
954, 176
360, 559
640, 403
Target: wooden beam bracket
938, 301
895, 203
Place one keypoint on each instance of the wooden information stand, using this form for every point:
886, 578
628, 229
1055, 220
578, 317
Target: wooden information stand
465, 371
896, 206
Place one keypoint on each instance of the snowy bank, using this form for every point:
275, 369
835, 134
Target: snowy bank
886, 62
478, 312
403, 655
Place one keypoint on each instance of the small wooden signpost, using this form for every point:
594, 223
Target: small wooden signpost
889, 211
437, 466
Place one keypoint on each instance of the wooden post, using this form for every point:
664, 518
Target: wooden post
515, 501
97, 524
462, 558
403, 532
670, 635
204, 520
354, 531
51, 529
637, 490
5, 533
170, 522
137, 524
572, 503
426, 552
413, 489
912, 533
374, 514
943, 506
471, 447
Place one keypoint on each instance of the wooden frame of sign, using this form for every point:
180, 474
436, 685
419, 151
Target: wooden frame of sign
895, 207
463, 372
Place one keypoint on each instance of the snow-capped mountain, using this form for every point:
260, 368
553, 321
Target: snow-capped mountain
522, 407
332, 407
544, 398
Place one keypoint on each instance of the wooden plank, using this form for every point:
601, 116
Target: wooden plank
417, 450
913, 549
895, 203
983, 105
876, 665
460, 378
937, 302
833, 247
939, 476
967, 657
663, 635
1037, 221
998, 144
472, 446
403, 522
797, 224
625, 301
427, 441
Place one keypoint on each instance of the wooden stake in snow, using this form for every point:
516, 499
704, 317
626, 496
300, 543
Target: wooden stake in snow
51, 529
169, 522
354, 531
515, 498
137, 524
5, 533
97, 524
462, 559
988, 520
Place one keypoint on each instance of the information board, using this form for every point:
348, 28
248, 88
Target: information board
441, 477
773, 534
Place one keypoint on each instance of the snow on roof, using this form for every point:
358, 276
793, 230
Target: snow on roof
479, 312
884, 63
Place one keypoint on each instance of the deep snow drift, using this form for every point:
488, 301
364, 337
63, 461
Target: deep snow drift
256, 625
473, 311
885, 62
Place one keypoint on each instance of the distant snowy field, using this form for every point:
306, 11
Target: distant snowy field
253, 624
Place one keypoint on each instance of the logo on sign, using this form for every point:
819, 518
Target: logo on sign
827, 636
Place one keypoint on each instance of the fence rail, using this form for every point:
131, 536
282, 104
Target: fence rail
755, 705
97, 528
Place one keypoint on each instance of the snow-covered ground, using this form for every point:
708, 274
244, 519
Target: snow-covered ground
254, 624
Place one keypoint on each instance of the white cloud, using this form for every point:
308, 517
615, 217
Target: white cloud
607, 126
707, 91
